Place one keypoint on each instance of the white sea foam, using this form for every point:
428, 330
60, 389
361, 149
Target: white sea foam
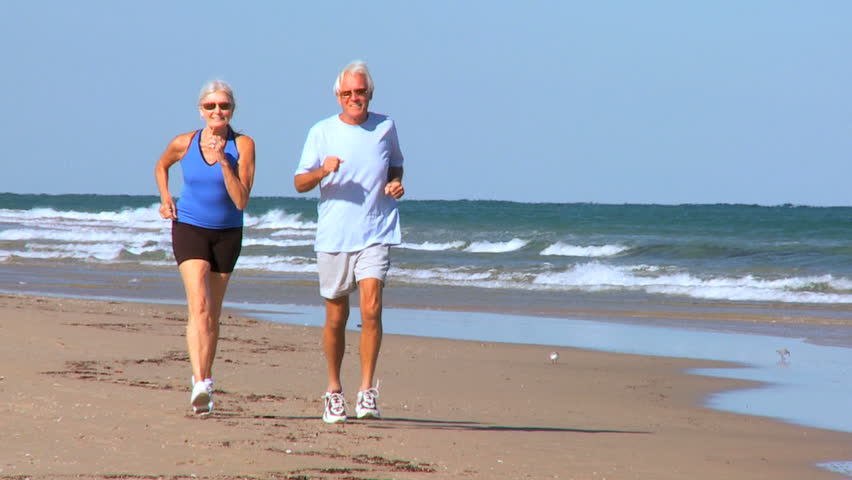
141, 218
433, 247
567, 250
269, 242
750, 288
46, 223
147, 217
278, 220
83, 235
290, 232
103, 236
496, 247
597, 277
290, 264
451, 276
144, 249
78, 251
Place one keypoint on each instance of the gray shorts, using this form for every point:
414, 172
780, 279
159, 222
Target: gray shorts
339, 273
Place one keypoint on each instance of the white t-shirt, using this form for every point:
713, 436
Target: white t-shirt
354, 211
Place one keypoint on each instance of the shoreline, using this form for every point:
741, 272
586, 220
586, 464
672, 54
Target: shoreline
825, 324
453, 408
251, 286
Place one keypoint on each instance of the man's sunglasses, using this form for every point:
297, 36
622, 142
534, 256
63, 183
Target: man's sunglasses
212, 105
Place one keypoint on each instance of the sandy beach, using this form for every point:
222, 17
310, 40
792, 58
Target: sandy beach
98, 389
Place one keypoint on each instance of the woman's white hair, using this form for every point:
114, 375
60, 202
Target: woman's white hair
358, 67
217, 85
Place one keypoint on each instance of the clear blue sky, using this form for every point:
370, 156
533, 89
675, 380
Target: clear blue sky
559, 101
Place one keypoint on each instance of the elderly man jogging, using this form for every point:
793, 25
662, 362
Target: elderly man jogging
355, 159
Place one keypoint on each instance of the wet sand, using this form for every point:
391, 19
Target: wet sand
100, 389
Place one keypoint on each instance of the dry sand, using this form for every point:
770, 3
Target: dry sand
93, 390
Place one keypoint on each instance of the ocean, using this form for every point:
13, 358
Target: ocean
792, 255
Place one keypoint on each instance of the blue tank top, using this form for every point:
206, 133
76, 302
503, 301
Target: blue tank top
204, 200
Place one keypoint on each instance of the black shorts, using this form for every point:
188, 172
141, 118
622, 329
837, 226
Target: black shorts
221, 248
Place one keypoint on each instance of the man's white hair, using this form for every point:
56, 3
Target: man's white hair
358, 67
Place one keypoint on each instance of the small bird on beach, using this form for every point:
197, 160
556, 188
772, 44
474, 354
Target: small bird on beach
554, 357
784, 353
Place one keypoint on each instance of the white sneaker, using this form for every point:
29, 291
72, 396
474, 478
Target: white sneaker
335, 408
202, 397
367, 406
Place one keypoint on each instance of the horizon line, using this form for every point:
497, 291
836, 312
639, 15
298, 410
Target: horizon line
530, 202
